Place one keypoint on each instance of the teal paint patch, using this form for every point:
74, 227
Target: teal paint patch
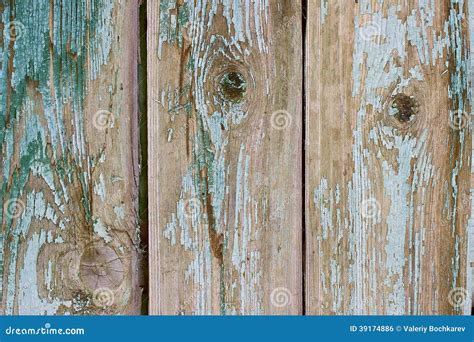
48, 62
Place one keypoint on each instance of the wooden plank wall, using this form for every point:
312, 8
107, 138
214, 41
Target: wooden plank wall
388, 157
307, 157
225, 157
69, 166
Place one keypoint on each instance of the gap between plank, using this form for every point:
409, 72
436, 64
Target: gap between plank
304, 8
143, 147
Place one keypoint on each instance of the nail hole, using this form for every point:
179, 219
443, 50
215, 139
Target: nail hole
404, 107
233, 86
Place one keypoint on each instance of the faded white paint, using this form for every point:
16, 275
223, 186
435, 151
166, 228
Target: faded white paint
246, 26
383, 40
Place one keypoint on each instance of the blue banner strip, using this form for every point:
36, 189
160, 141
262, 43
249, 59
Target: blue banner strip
241, 329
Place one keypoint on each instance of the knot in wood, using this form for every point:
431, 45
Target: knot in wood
232, 86
100, 266
404, 107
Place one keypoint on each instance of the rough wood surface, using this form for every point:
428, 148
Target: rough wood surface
68, 157
470, 274
225, 157
388, 157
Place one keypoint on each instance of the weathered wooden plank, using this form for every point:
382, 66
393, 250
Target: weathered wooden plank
388, 157
470, 273
225, 157
69, 164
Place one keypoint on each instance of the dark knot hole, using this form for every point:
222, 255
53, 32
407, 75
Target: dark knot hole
233, 86
404, 107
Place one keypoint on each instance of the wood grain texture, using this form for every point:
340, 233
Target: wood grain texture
225, 157
388, 157
470, 274
68, 157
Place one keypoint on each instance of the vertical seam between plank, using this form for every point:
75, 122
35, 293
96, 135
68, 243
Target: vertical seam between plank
304, 8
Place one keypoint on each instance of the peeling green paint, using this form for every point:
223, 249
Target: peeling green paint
62, 46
